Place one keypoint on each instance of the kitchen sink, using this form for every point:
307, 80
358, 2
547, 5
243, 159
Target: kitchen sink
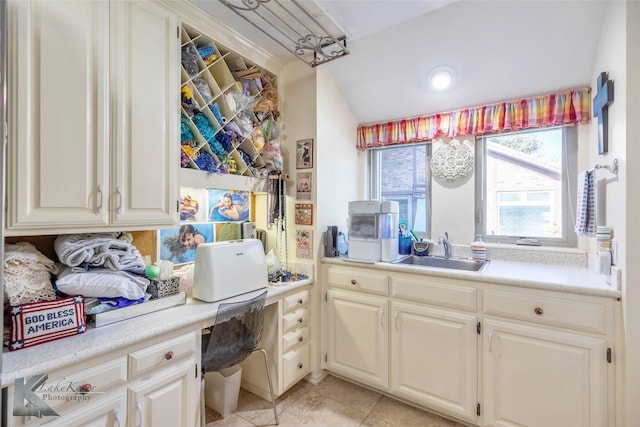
453, 263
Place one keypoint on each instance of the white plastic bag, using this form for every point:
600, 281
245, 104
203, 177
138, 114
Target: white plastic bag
273, 265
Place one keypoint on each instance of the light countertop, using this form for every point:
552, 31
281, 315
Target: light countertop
96, 342
529, 275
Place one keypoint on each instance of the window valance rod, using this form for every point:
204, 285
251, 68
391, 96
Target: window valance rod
566, 108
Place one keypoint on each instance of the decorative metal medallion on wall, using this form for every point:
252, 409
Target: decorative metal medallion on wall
452, 162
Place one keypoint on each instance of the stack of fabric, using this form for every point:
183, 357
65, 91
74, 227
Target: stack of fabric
101, 265
27, 274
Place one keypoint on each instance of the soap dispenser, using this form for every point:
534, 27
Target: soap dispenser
479, 249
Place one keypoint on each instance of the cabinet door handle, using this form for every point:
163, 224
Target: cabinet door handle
119, 193
382, 319
100, 196
139, 412
168, 355
354, 282
490, 342
539, 311
396, 321
116, 415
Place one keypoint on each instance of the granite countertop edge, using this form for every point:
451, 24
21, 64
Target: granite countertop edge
558, 278
95, 342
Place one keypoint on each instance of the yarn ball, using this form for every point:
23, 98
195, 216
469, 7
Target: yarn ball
203, 125
206, 162
218, 150
206, 51
184, 159
185, 130
224, 140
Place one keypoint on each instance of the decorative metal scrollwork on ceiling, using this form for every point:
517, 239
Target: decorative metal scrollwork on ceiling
302, 28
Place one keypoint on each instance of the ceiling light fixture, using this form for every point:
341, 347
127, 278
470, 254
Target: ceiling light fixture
301, 27
441, 77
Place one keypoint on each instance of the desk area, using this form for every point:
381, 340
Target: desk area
132, 339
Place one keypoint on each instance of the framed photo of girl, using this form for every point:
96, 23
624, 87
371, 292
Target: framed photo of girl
178, 245
304, 154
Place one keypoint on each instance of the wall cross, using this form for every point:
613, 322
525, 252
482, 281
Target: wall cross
601, 102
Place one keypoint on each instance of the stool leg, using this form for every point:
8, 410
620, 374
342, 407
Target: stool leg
273, 398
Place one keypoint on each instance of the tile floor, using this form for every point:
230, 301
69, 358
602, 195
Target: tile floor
334, 402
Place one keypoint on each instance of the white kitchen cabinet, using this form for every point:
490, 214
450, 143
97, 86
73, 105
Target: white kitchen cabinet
479, 352
538, 374
356, 325
434, 358
108, 412
288, 344
434, 343
166, 398
152, 383
357, 340
92, 116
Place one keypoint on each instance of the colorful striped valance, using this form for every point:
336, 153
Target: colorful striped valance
566, 108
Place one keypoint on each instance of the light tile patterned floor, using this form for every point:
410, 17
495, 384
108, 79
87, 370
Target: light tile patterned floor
333, 402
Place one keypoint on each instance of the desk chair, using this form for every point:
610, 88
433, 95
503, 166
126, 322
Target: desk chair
234, 337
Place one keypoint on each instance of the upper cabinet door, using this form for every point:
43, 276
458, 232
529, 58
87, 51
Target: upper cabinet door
57, 115
145, 75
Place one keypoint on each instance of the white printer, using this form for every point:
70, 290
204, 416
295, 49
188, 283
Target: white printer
226, 269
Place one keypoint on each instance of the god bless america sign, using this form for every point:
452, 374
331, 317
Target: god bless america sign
40, 322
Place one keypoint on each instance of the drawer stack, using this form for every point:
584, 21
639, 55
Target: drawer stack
296, 337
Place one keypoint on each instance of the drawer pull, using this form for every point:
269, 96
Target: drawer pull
300, 365
300, 338
84, 388
300, 320
538, 310
354, 282
168, 355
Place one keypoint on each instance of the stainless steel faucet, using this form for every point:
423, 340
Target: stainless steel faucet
444, 241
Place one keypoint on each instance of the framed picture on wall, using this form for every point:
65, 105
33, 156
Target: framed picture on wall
304, 154
178, 245
304, 243
303, 185
304, 214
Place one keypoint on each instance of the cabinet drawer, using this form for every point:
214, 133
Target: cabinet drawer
162, 354
583, 315
295, 337
298, 299
357, 279
295, 319
296, 365
435, 290
101, 380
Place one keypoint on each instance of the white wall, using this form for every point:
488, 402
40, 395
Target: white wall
336, 154
617, 54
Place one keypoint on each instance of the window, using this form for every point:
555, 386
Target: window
523, 186
400, 173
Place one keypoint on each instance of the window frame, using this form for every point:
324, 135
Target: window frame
374, 190
568, 188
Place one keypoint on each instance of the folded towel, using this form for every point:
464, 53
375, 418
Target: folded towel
108, 250
586, 221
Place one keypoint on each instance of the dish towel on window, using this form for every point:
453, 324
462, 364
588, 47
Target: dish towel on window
586, 223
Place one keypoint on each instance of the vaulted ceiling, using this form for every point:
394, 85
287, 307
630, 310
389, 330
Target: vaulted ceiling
499, 50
